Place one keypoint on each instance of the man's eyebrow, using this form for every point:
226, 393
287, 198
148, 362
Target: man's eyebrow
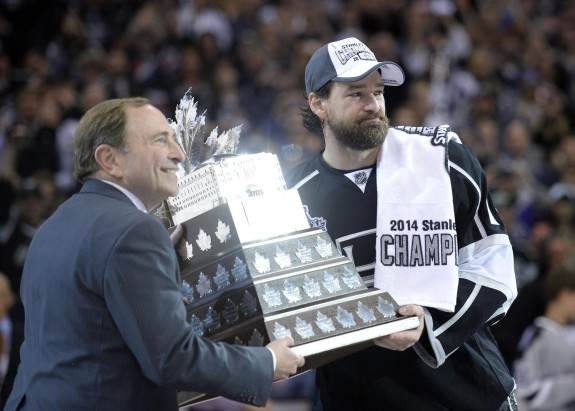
363, 86
167, 134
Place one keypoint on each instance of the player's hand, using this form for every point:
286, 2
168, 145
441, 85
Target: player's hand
287, 360
402, 340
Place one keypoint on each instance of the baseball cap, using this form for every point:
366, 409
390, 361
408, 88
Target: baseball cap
345, 61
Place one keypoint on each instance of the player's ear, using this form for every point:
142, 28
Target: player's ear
317, 105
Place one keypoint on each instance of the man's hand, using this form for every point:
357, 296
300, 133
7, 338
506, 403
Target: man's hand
402, 340
287, 360
179, 242
177, 234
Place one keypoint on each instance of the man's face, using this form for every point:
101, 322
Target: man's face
6, 296
150, 164
356, 113
569, 298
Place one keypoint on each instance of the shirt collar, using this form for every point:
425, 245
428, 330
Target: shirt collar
137, 202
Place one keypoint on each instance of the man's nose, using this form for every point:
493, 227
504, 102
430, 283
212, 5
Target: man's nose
177, 152
372, 104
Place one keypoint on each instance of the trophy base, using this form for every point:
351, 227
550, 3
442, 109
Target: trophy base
329, 349
326, 350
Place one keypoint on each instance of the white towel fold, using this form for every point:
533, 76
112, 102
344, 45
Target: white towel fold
416, 238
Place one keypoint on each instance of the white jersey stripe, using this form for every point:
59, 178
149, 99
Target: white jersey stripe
305, 179
472, 181
437, 332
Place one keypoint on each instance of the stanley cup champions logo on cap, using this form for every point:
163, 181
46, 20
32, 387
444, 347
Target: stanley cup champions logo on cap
346, 51
348, 60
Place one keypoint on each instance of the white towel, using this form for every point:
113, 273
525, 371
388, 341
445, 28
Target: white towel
416, 238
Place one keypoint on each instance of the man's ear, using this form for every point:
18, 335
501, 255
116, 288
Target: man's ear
107, 158
317, 105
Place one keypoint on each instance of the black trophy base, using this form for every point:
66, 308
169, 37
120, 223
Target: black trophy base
326, 350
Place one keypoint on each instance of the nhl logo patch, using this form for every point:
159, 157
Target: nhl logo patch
360, 177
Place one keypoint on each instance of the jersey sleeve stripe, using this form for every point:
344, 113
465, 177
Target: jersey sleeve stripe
477, 219
437, 332
466, 253
305, 179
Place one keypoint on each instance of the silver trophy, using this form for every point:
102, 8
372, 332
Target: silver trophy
252, 268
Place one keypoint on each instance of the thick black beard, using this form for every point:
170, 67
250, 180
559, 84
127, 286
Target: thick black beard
352, 135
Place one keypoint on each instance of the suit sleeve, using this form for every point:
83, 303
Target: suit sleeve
486, 285
144, 300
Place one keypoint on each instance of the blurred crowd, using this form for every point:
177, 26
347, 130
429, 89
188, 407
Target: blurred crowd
501, 73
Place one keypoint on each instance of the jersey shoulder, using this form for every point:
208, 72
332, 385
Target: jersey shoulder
301, 172
464, 159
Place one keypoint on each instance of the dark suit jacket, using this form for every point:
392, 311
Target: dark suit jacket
105, 324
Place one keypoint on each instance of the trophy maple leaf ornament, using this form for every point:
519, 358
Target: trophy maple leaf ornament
189, 128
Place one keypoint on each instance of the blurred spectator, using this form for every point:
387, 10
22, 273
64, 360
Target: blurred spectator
530, 302
528, 203
554, 122
8, 213
90, 95
68, 43
404, 116
31, 139
26, 212
523, 156
11, 337
284, 134
195, 73
562, 161
117, 76
545, 370
419, 101
485, 140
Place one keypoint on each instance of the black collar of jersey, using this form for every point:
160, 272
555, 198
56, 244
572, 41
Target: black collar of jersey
329, 168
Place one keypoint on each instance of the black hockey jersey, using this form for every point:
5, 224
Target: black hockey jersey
456, 365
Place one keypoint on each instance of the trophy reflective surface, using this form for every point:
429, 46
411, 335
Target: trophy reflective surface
253, 270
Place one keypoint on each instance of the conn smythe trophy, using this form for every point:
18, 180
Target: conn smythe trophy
253, 270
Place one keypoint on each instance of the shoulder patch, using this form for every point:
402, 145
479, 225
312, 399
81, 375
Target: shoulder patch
318, 222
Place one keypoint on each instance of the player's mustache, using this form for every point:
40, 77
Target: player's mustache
378, 116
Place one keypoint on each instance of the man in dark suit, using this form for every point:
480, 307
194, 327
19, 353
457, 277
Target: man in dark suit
105, 324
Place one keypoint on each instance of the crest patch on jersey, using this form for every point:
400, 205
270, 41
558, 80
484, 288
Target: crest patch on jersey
319, 222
